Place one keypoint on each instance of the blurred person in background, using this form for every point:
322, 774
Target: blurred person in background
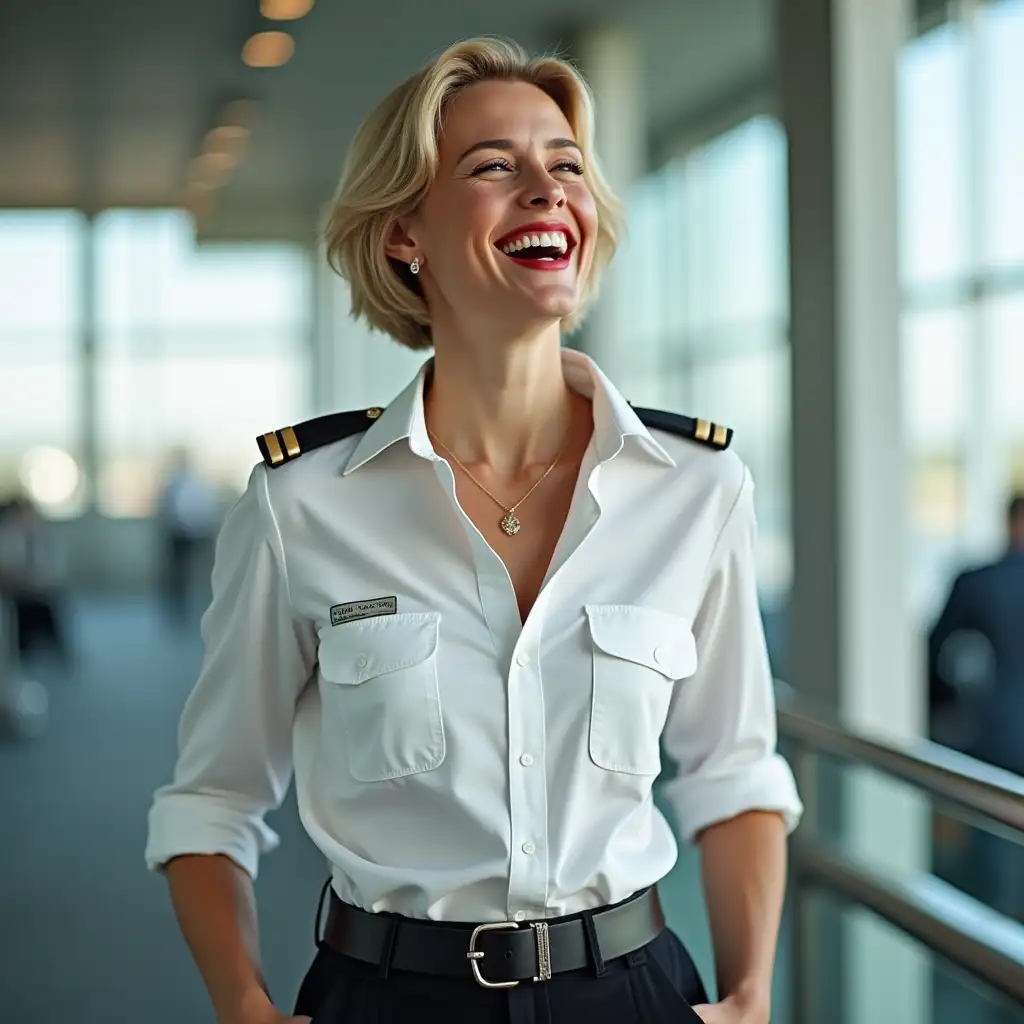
32, 579
188, 517
976, 687
468, 621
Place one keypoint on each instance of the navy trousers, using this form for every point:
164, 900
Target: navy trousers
654, 985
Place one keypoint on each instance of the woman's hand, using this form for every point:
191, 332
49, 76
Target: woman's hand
730, 1011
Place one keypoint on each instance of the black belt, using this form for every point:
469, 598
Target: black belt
498, 955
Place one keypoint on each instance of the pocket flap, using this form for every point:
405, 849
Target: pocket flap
356, 651
646, 636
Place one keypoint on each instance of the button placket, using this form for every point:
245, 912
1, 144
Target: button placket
528, 793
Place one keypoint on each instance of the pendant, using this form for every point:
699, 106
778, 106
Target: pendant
510, 524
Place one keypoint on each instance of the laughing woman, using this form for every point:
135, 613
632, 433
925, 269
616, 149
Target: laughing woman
470, 621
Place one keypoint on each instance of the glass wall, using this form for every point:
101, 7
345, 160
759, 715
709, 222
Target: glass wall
705, 272
962, 237
198, 349
40, 376
195, 348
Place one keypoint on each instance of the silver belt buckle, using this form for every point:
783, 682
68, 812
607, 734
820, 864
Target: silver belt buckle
540, 932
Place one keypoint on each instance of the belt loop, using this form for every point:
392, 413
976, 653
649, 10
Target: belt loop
596, 957
388, 948
637, 958
317, 940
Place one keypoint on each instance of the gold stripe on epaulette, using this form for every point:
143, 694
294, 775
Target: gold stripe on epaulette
703, 430
720, 436
374, 412
291, 442
273, 448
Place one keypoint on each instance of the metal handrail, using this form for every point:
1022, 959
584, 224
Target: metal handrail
943, 919
954, 777
916, 909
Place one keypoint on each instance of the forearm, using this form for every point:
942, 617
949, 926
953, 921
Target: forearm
743, 863
216, 908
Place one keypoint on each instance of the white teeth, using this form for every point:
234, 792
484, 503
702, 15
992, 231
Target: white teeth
547, 239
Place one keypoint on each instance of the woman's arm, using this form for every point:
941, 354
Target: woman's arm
743, 862
734, 794
216, 909
206, 828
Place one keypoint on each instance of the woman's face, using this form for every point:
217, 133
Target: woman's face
507, 227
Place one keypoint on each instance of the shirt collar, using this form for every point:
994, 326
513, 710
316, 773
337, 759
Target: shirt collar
615, 422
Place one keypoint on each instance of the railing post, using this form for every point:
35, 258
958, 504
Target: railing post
816, 989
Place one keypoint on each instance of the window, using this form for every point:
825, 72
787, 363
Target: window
198, 349
1001, 86
962, 232
704, 272
40, 314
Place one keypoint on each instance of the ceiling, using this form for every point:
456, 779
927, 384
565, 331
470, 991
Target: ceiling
103, 103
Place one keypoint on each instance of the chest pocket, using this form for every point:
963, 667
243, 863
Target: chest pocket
380, 689
638, 654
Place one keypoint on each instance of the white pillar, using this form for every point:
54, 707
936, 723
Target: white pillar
853, 646
610, 57
324, 355
353, 366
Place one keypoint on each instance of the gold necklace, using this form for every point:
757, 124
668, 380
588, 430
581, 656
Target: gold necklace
510, 523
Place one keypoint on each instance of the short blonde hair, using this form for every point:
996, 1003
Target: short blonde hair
393, 160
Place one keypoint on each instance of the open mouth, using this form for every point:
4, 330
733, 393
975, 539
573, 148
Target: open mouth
540, 246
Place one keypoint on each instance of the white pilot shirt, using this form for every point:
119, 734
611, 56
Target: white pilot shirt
451, 761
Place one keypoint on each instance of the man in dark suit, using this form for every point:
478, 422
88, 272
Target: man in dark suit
976, 674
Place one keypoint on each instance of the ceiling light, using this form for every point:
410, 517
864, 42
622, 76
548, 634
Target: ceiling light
226, 138
268, 49
211, 169
285, 10
238, 113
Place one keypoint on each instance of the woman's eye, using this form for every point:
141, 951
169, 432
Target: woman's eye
494, 165
570, 165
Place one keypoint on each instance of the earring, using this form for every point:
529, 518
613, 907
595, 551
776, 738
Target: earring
414, 267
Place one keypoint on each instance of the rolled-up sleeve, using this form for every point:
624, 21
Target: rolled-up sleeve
235, 735
721, 730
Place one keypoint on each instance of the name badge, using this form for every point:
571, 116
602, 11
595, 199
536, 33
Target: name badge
354, 610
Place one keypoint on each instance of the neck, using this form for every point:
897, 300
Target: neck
500, 402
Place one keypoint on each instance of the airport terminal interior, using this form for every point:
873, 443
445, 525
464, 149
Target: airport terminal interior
825, 252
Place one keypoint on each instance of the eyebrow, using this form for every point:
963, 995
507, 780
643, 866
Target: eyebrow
508, 144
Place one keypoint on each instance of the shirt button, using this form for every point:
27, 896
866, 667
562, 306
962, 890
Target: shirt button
526, 760
362, 661
522, 659
520, 915
659, 654
529, 848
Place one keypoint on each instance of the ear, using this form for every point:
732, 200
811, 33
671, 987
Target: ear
400, 245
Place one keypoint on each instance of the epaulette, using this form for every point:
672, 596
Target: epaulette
288, 443
714, 435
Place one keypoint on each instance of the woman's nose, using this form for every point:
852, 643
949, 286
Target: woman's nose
545, 193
